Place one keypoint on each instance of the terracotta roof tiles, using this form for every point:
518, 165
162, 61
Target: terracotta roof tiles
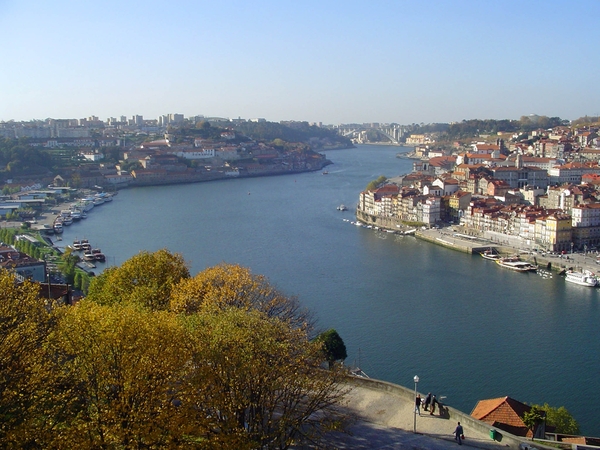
505, 413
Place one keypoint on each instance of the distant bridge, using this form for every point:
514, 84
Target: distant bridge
358, 133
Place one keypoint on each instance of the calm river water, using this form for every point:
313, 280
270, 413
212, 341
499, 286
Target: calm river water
469, 329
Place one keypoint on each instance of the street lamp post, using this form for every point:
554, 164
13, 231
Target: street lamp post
416, 380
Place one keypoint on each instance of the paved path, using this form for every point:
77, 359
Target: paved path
382, 420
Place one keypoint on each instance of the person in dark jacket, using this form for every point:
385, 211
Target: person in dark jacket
459, 434
434, 402
427, 402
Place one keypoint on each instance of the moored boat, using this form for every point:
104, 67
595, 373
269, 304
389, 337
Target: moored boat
87, 203
585, 278
75, 214
89, 256
99, 257
58, 225
490, 254
514, 263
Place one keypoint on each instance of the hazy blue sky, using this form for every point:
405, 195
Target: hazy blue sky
329, 61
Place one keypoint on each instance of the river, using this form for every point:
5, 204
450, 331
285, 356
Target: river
469, 329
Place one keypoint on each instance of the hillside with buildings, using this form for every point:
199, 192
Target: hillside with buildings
173, 149
539, 187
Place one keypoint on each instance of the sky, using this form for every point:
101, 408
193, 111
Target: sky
333, 62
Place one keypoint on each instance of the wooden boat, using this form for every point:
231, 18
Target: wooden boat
514, 263
98, 255
490, 254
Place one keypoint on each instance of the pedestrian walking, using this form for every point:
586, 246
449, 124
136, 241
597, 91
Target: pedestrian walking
459, 434
427, 402
433, 403
418, 404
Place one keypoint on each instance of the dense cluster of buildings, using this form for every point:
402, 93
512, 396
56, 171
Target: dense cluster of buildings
169, 159
94, 131
542, 191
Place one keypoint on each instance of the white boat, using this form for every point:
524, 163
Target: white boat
514, 263
87, 203
89, 256
75, 214
98, 200
490, 254
342, 208
585, 278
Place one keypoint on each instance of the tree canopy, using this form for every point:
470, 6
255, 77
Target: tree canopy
559, 418
376, 183
231, 285
146, 279
533, 418
16, 158
289, 132
332, 345
24, 326
155, 359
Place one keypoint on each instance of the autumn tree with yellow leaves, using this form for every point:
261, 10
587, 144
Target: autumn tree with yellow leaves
25, 324
154, 358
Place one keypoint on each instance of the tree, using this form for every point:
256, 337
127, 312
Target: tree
262, 380
533, 418
230, 285
146, 279
68, 265
121, 370
560, 418
120, 380
24, 325
77, 281
376, 183
333, 346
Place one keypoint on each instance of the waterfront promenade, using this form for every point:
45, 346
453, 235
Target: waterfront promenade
382, 417
473, 244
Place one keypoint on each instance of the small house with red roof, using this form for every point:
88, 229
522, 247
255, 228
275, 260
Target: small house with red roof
506, 414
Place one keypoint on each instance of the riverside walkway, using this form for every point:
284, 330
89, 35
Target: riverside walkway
382, 418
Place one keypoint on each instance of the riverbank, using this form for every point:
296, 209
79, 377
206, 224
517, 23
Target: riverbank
465, 241
218, 175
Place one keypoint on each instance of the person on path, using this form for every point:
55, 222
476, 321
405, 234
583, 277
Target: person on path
418, 404
433, 403
427, 401
459, 434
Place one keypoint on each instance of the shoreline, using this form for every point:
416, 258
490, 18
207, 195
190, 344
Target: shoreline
474, 245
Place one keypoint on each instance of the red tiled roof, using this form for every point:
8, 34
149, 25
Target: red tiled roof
505, 413
487, 147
